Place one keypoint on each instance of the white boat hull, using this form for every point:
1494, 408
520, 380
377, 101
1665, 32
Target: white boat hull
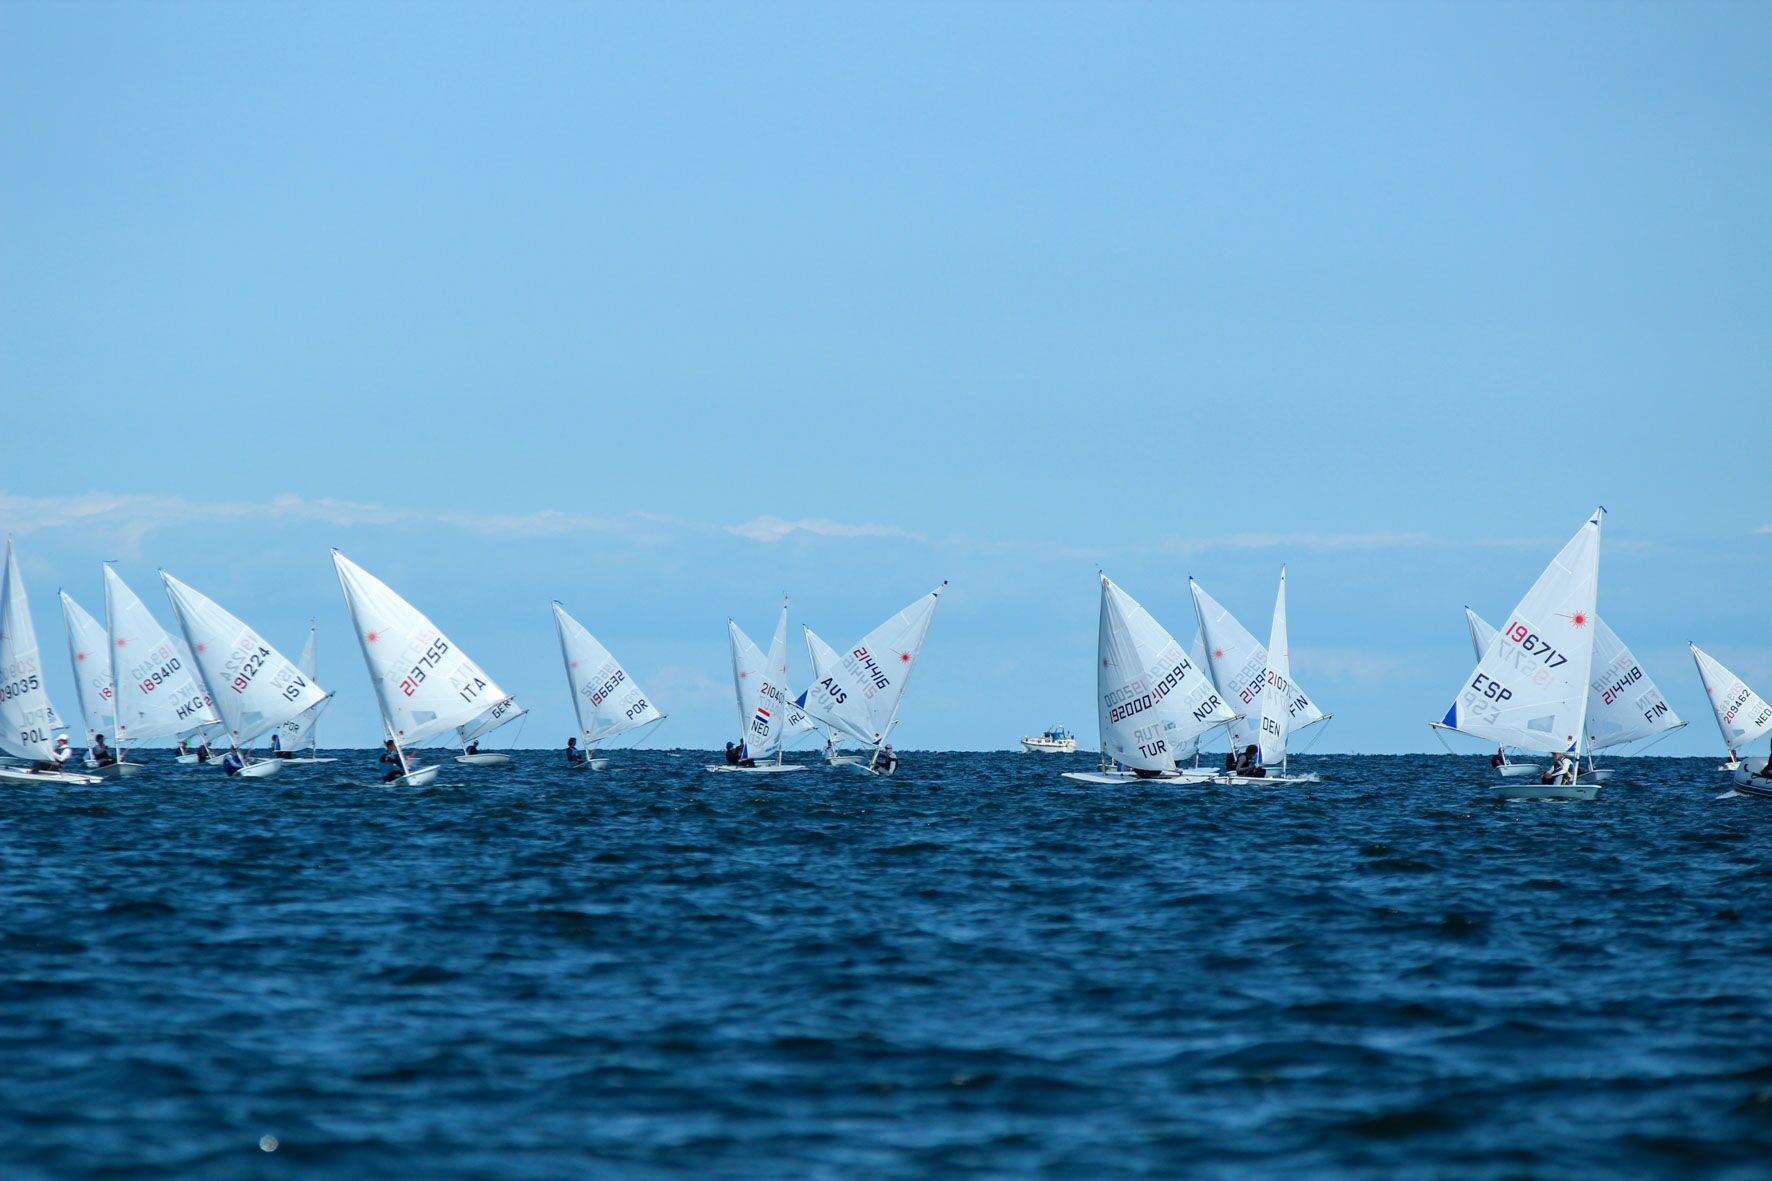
52, 778
846, 760
263, 769
417, 777
1265, 780
491, 758
588, 765
1048, 746
1731, 765
760, 769
1553, 791
1519, 771
115, 770
1597, 775
1122, 778
301, 762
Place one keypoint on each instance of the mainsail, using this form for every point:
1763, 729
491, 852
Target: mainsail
28, 722
860, 691
1742, 714
158, 694
1238, 663
1624, 704
1153, 700
255, 688
301, 730
1281, 703
606, 700
424, 684
761, 686
87, 647
1530, 687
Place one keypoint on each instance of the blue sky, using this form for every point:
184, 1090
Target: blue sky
665, 310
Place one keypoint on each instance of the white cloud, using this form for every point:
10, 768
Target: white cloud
1764, 529
1310, 541
774, 529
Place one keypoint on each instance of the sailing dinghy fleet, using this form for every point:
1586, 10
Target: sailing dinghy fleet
1556, 683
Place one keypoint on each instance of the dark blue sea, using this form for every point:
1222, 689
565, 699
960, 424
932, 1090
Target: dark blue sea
976, 969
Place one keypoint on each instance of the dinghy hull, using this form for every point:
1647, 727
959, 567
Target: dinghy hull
418, 777
263, 769
54, 778
486, 759
1555, 791
115, 770
1264, 780
765, 769
1122, 778
1749, 784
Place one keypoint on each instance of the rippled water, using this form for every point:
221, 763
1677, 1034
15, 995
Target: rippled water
975, 969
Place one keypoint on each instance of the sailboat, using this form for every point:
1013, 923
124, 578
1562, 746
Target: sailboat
158, 695
424, 684
1624, 704
255, 688
490, 719
1243, 669
1153, 701
28, 722
760, 685
860, 692
606, 700
820, 655
303, 730
87, 647
1742, 717
1530, 687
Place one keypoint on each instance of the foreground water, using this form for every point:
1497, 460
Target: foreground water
975, 969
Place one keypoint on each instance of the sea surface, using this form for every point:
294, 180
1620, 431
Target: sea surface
975, 969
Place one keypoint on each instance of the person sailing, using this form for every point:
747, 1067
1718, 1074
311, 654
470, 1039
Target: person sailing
101, 755
1562, 770
1499, 758
390, 754
733, 754
575, 756
1249, 763
888, 760
232, 762
61, 753
277, 751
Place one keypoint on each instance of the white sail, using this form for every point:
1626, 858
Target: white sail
1280, 702
1481, 632
87, 651
424, 684
760, 716
832, 698
872, 675
489, 720
28, 722
1238, 663
301, 731
1530, 688
607, 701
158, 694
1152, 699
1742, 714
1624, 704
255, 688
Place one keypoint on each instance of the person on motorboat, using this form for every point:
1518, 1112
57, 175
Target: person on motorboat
232, 762
390, 754
575, 756
100, 754
888, 762
1249, 764
1764, 772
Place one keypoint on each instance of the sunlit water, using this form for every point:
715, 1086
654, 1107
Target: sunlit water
976, 969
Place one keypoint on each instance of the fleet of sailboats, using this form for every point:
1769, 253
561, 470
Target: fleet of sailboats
1556, 681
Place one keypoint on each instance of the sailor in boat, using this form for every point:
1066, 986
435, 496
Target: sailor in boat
1230, 762
472, 748
184, 747
232, 762
1249, 764
1561, 770
101, 755
575, 756
277, 751
1499, 758
59, 756
733, 754
391, 755
888, 760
